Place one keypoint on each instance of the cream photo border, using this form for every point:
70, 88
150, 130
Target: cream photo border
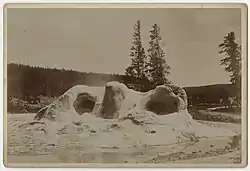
244, 149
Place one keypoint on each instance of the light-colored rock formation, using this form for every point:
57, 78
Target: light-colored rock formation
76, 101
100, 118
163, 100
115, 100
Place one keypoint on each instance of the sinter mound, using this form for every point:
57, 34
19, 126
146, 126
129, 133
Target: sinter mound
116, 100
114, 116
111, 120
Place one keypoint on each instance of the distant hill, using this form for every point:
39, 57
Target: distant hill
24, 80
217, 93
28, 81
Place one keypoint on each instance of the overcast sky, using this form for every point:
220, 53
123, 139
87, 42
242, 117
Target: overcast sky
98, 40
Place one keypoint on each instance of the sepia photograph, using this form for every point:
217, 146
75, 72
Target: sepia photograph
125, 85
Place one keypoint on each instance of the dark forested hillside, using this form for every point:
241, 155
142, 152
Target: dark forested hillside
27, 82
24, 81
210, 94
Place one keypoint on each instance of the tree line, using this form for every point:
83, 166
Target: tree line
26, 81
29, 82
151, 69
147, 70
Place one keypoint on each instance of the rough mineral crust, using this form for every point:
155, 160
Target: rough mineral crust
115, 117
115, 100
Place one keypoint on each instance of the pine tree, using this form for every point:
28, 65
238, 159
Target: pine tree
137, 53
157, 67
232, 62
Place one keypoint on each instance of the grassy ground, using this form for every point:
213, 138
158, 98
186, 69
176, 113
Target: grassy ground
207, 115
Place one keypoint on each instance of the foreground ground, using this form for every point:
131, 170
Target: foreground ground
22, 148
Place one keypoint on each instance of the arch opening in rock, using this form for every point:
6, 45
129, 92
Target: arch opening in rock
84, 103
162, 101
117, 100
162, 107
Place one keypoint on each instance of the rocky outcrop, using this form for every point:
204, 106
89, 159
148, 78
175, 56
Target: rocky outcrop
115, 101
115, 117
114, 96
76, 101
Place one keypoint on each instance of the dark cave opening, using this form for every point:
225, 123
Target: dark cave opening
84, 103
162, 107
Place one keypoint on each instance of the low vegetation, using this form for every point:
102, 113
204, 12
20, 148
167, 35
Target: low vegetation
217, 117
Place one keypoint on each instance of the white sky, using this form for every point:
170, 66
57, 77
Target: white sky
98, 40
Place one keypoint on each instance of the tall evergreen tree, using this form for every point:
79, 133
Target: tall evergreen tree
137, 69
232, 62
157, 66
